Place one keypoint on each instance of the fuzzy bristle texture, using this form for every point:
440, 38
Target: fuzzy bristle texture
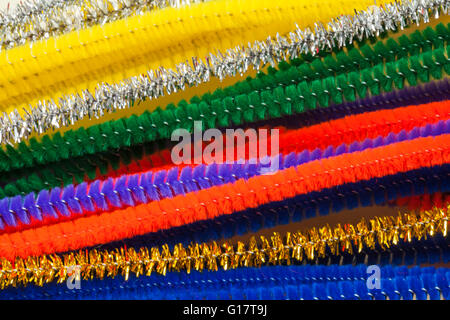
47, 115
40, 19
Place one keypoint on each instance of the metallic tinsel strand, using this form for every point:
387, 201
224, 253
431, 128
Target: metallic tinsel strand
35, 20
111, 97
298, 246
